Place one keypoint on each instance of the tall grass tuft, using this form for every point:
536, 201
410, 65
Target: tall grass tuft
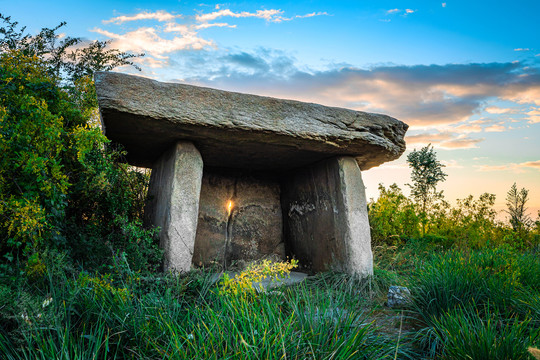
467, 334
478, 300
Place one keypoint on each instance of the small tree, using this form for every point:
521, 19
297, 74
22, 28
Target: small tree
515, 201
426, 174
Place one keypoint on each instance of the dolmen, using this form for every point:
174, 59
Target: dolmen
238, 177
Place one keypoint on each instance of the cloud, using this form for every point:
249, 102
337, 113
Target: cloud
531, 164
460, 143
247, 60
468, 128
522, 49
445, 97
534, 116
530, 94
151, 62
443, 140
429, 138
159, 15
498, 110
517, 167
158, 44
320, 13
148, 40
272, 15
268, 15
451, 164
495, 128
397, 11
207, 25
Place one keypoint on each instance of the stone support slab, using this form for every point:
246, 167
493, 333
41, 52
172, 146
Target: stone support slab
251, 229
174, 190
326, 220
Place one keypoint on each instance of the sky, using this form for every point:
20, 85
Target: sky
464, 75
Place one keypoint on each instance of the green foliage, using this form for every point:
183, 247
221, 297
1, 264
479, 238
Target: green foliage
242, 284
392, 216
476, 302
458, 279
515, 202
466, 334
459, 294
426, 174
93, 317
62, 186
471, 223
34, 184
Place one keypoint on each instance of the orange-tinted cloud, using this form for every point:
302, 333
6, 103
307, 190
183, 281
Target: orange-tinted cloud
518, 167
443, 140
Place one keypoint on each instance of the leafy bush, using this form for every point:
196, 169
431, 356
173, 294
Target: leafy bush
243, 283
62, 186
392, 217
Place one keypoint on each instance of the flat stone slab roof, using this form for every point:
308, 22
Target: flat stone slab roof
239, 130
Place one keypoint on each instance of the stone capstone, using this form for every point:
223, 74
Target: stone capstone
236, 130
173, 205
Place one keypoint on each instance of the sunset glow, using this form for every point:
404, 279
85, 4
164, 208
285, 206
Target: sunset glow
230, 206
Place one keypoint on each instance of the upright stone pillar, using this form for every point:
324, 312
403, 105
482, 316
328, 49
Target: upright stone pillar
325, 216
174, 190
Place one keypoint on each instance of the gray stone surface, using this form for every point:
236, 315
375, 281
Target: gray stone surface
239, 130
254, 227
174, 189
398, 296
326, 222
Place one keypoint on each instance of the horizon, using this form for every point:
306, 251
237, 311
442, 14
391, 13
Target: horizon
464, 76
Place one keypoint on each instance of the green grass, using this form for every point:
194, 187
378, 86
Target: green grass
482, 304
327, 317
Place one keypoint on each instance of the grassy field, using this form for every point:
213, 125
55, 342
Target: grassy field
481, 304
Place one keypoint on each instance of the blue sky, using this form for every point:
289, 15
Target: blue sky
465, 75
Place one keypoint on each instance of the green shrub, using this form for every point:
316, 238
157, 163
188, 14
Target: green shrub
466, 334
392, 217
62, 185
